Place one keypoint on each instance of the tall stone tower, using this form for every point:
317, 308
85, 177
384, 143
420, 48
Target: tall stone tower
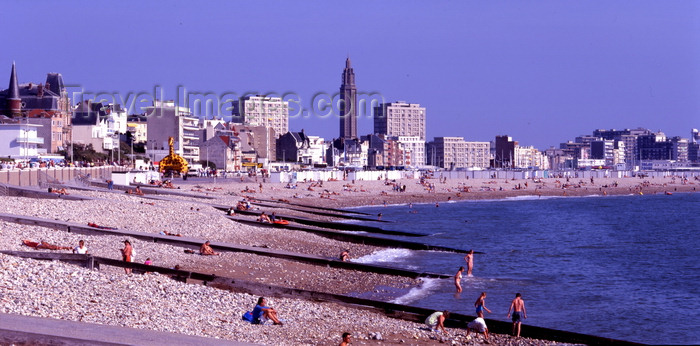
348, 104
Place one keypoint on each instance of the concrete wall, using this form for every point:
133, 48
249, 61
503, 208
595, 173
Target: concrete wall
36, 176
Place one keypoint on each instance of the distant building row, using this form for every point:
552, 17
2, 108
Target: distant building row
38, 119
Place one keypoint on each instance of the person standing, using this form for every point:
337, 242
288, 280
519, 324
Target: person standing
469, 258
518, 308
127, 253
480, 305
458, 279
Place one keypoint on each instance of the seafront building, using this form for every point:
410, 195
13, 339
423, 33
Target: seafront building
224, 152
166, 120
259, 110
41, 104
530, 158
413, 151
20, 141
400, 119
99, 125
504, 152
300, 148
448, 152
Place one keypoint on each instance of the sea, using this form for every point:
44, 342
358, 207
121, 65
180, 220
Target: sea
623, 267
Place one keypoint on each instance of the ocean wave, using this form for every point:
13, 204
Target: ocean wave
384, 256
528, 198
427, 287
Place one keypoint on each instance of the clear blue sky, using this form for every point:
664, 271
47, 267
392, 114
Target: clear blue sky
542, 72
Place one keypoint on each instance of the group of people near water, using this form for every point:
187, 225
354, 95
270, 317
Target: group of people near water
436, 320
517, 306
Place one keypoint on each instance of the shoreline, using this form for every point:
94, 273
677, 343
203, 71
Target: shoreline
375, 193
180, 216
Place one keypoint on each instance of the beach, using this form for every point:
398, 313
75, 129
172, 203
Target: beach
109, 296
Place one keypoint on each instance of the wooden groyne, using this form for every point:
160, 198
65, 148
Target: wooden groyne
195, 243
150, 190
404, 312
37, 192
355, 238
320, 213
327, 224
343, 211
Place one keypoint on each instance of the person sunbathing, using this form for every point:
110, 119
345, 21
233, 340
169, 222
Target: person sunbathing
94, 225
61, 191
44, 245
172, 234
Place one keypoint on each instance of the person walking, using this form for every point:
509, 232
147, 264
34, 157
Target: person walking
480, 305
518, 308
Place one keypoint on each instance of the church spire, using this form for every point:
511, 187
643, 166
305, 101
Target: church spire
14, 101
13, 89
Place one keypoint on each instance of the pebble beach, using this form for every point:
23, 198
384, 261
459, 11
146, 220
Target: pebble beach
153, 301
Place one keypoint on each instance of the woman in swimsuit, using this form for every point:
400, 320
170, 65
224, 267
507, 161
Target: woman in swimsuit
480, 305
458, 279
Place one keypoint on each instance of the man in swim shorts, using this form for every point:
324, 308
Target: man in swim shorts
519, 312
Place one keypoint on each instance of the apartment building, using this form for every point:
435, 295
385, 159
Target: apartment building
164, 120
259, 110
400, 119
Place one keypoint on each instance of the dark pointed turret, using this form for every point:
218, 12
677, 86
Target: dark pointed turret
348, 103
14, 102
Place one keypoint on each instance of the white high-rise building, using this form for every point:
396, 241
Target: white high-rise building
400, 119
165, 120
478, 154
530, 157
413, 150
270, 112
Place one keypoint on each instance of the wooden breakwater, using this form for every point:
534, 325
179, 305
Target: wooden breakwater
355, 238
400, 311
195, 243
327, 224
37, 192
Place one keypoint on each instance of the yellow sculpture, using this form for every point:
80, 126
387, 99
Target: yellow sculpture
173, 162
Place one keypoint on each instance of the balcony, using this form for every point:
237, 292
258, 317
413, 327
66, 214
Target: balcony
30, 140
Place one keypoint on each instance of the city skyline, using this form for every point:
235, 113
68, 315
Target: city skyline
542, 74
